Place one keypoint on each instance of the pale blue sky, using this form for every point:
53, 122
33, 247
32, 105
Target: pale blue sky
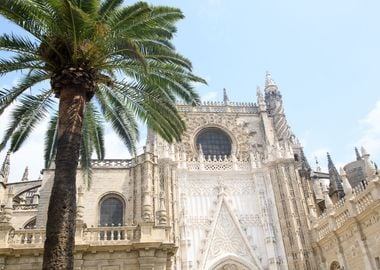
324, 55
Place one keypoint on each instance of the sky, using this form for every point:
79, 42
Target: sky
324, 55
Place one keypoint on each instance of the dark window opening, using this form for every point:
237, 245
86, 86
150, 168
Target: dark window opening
111, 214
214, 142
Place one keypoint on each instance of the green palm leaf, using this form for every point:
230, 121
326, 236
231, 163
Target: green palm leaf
24, 118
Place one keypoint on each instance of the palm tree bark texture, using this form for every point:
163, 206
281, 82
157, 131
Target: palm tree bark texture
60, 228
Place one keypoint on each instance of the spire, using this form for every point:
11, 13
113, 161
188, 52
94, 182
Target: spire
358, 157
225, 97
4, 172
25, 176
335, 179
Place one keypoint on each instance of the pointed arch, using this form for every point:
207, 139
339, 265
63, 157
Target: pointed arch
232, 262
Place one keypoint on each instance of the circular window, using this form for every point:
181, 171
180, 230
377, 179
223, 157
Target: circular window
214, 141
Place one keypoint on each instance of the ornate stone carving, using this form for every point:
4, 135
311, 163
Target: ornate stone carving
242, 132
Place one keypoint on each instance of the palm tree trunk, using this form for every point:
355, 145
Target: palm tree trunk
60, 228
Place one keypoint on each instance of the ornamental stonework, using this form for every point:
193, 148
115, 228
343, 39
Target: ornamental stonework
245, 131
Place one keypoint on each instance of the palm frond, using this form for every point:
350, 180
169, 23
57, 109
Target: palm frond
86, 153
120, 116
108, 7
29, 15
18, 44
94, 126
30, 111
30, 80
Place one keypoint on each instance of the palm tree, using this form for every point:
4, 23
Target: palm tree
104, 61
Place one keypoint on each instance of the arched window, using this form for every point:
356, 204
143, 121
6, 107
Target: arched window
111, 211
31, 224
214, 141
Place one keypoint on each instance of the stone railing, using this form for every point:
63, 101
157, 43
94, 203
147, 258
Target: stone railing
95, 235
217, 106
214, 163
113, 163
352, 205
26, 237
113, 233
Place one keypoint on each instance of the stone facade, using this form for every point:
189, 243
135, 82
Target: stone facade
257, 206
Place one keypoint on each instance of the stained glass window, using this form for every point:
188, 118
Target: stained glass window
214, 141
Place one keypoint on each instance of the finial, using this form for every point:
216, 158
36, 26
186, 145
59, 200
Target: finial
268, 79
225, 97
358, 157
5, 168
258, 92
25, 176
318, 168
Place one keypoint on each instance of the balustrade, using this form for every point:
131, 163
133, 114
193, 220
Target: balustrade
355, 204
94, 235
112, 163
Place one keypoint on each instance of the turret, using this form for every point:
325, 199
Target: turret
369, 167
273, 96
273, 101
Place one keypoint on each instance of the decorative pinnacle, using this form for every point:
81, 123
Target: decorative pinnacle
258, 92
25, 176
318, 168
358, 157
225, 97
5, 168
268, 80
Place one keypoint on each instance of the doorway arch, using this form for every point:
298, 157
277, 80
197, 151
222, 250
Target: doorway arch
232, 262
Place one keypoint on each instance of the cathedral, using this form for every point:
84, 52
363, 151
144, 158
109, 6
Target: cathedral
237, 193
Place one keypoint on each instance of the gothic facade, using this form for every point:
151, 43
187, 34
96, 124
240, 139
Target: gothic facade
236, 193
